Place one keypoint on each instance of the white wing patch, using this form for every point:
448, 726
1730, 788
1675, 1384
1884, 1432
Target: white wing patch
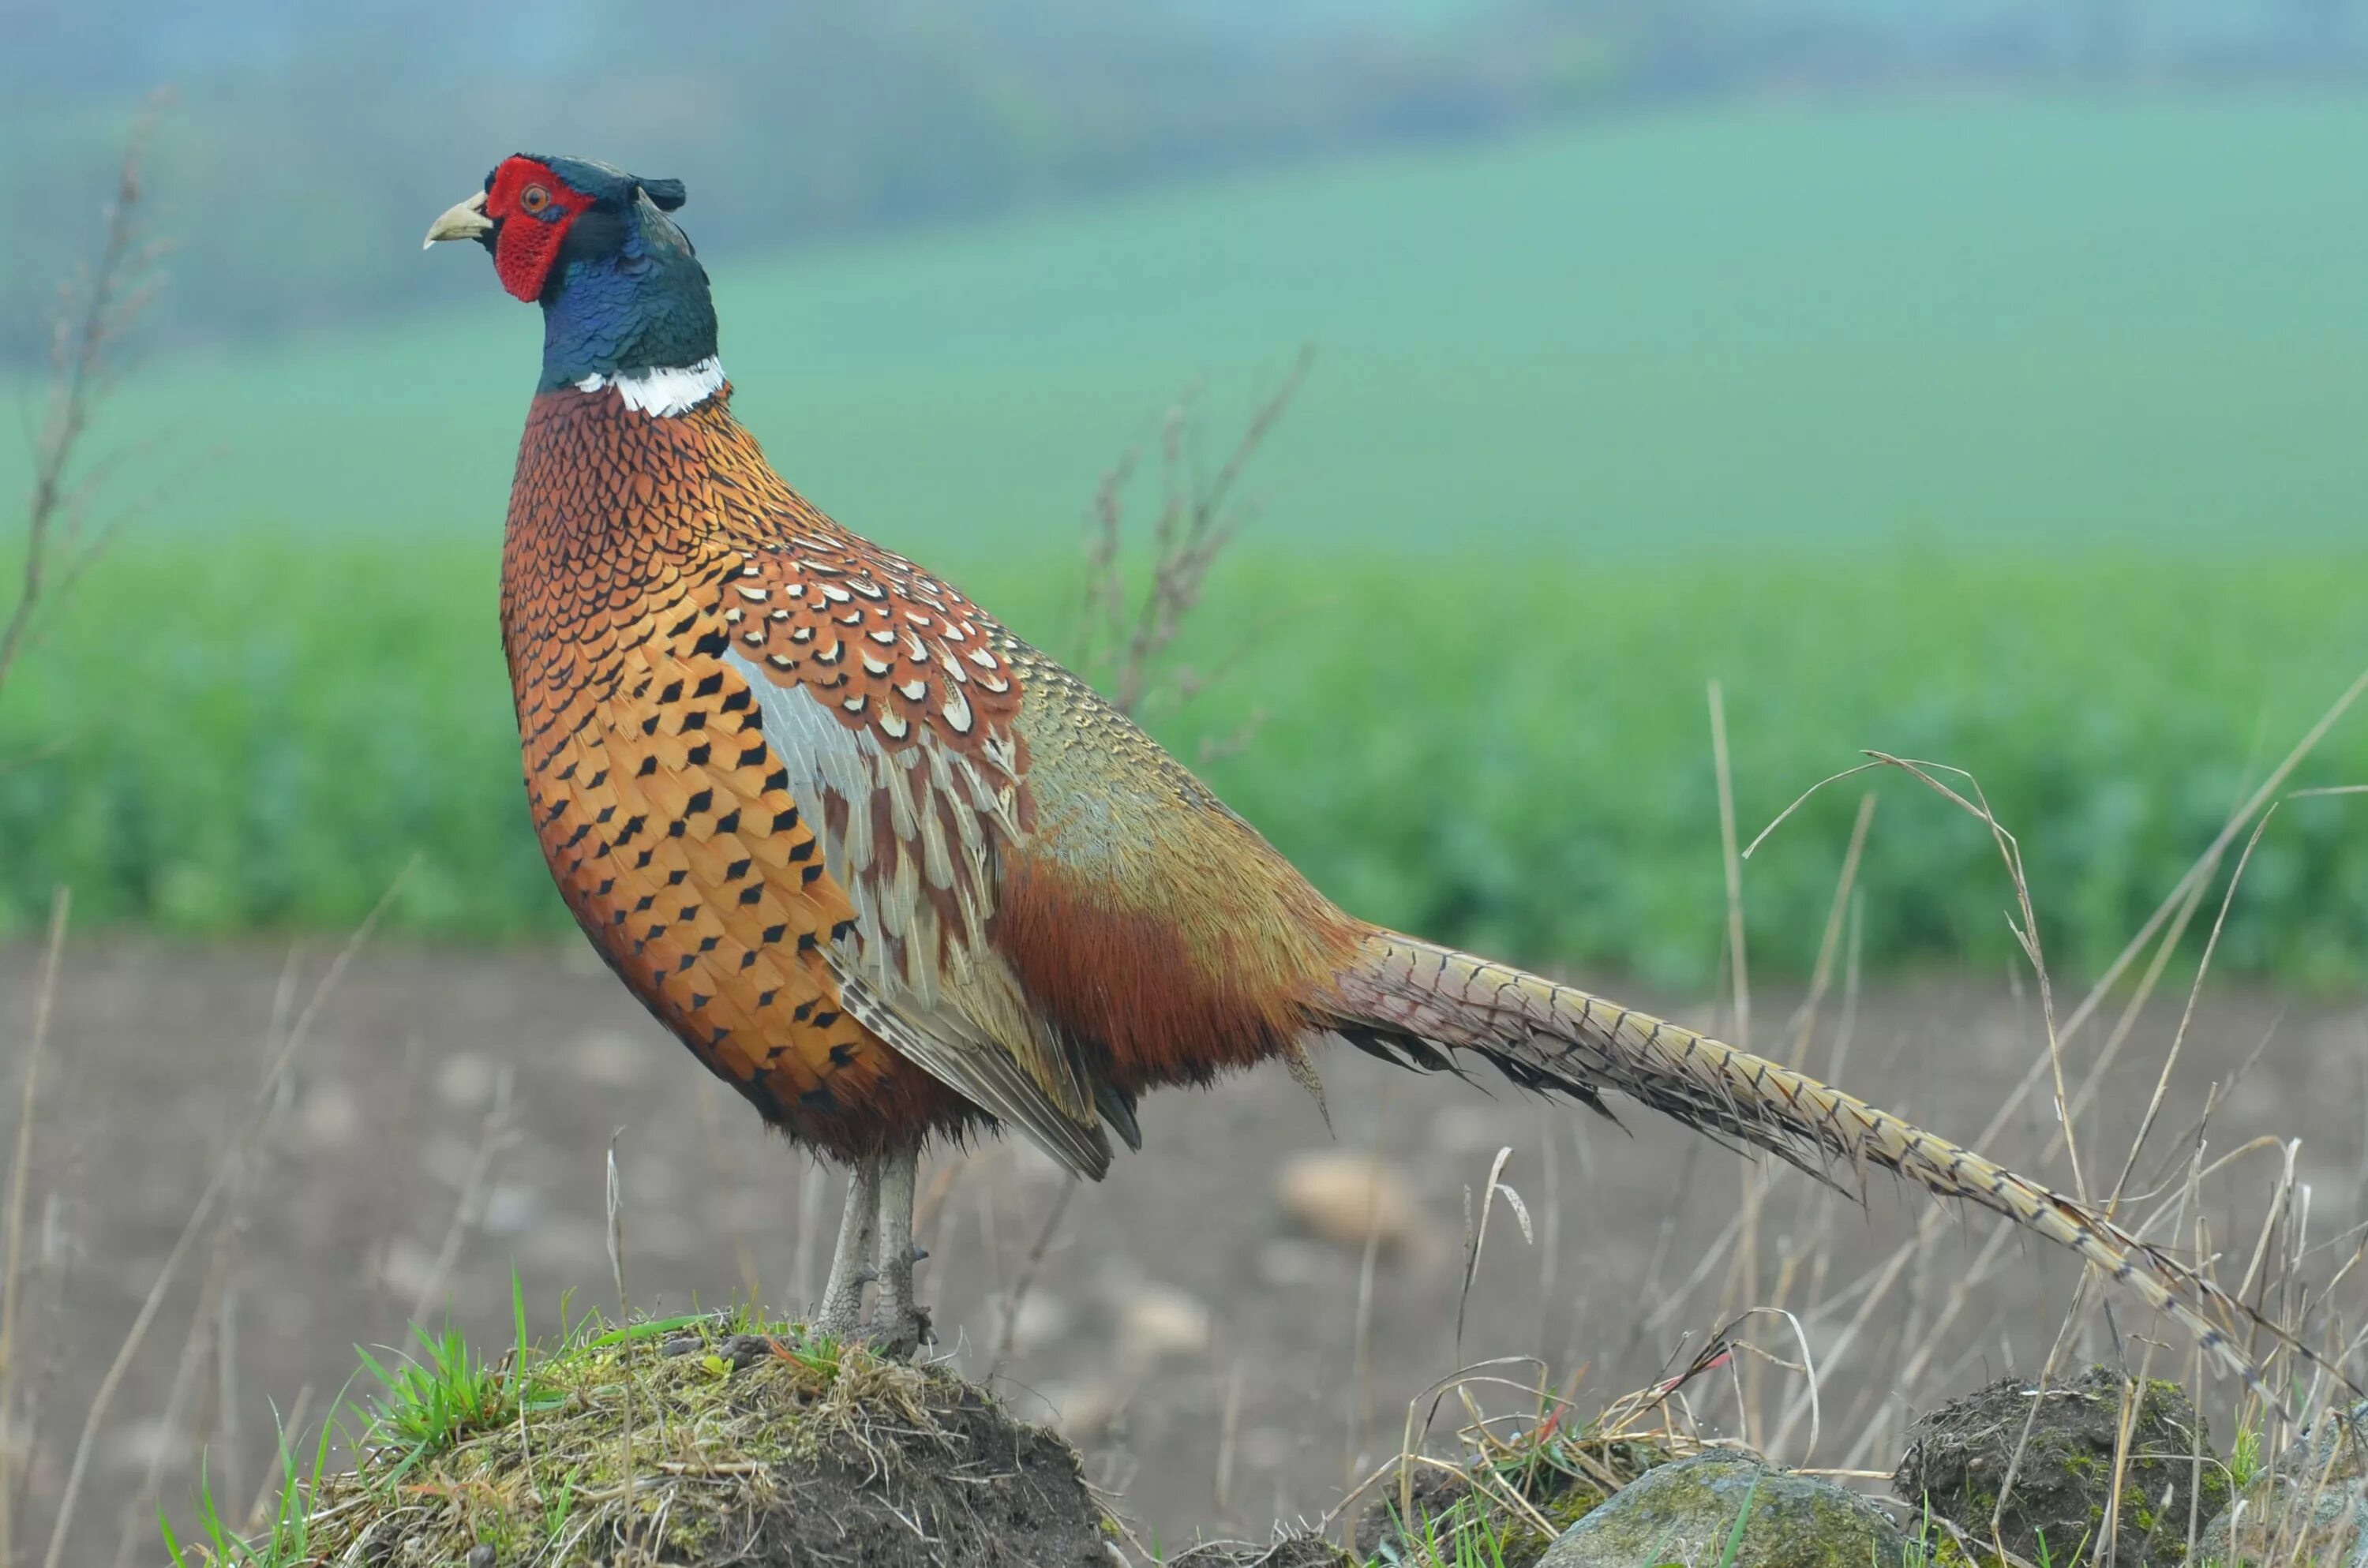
911, 837
664, 391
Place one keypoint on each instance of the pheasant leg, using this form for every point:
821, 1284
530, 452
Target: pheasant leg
850, 1264
898, 1326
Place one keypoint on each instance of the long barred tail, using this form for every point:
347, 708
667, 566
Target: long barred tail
1405, 999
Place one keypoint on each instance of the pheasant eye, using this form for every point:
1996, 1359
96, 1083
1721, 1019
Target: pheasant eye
533, 198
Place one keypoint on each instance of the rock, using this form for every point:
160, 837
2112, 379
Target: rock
465, 1079
1156, 1322
607, 1057
512, 1208
1086, 1411
1686, 1513
1344, 1198
2310, 1506
1957, 1457
1287, 1263
328, 1118
407, 1268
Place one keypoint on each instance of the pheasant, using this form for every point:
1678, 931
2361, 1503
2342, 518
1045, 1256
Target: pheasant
895, 875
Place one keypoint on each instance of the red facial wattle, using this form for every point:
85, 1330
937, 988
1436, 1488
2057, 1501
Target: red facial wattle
535, 210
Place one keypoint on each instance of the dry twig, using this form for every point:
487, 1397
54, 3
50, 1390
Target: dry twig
1125, 634
66, 530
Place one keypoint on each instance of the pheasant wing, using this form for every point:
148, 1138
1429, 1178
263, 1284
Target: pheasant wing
889, 703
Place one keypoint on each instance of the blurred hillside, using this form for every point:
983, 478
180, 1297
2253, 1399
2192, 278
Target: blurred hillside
310, 138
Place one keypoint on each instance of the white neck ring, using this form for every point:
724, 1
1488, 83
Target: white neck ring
663, 392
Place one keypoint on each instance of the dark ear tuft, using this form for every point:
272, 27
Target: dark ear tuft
665, 195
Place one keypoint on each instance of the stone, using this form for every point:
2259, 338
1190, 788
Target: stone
1344, 1198
1156, 1322
1686, 1513
2310, 1506
607, 1057
1957, 1458
465, 1079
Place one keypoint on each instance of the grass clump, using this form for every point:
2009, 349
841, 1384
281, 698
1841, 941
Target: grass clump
282, 1540
440, 1395
1509, 1498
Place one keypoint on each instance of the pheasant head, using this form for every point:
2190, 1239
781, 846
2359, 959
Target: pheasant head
624, 299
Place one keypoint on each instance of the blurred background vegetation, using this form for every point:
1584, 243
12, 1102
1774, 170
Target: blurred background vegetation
1980, 380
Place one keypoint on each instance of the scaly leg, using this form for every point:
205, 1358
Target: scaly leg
898, 1328
851, 1265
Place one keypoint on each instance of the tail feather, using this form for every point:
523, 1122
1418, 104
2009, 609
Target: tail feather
1415, 997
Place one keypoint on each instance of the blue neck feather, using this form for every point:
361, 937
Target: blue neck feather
642, 304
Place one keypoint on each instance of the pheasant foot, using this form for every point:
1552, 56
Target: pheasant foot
840, 1313
898, 1328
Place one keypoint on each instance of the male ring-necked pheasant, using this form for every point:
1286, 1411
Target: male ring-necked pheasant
891, 873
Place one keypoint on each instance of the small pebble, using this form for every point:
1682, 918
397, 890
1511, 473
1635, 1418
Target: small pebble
1158, 1320
745, 1350
609, 1058
1343, 1197
465, 1081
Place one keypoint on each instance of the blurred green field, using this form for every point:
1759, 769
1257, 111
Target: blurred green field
1995, 322
2020, 435
260, 736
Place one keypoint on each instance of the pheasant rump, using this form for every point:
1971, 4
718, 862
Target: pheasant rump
891, 873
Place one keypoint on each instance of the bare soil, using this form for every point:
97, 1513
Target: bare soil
1203, 1348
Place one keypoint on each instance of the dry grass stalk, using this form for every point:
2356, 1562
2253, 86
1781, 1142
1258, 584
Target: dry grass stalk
1821, 973
12, 1434
2009, 853
2209, 860
469, 1209
1544, 1433
1476, 1234
2273, 1286
1229, 1429
1363, 1390
1731, 860
1126, 633
2186, 1016
1743, 1279
198, 1347
66, 531
614, 1194
226, 1169
1026, 1279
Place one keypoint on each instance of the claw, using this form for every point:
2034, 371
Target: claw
898, 1335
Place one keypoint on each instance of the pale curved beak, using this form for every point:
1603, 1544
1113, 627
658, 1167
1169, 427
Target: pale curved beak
462, 221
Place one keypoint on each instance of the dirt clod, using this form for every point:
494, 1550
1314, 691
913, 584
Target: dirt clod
1958, 1456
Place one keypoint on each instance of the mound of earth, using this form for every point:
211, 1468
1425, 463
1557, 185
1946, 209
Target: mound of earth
744, 1447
